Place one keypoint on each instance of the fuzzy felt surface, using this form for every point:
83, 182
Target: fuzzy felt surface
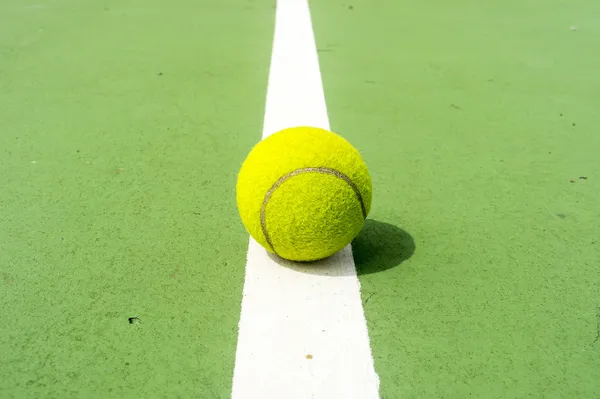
311, 215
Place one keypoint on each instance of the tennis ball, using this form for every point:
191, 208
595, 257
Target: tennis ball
303, 193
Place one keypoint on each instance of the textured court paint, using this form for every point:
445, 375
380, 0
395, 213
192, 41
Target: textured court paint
118, 158
475, 116
302, 332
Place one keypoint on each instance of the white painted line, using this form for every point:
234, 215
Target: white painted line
302, 331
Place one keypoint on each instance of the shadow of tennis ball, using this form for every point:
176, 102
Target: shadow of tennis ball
334, 266
381, 246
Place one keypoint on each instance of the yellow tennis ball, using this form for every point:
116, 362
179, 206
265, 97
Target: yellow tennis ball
303, 193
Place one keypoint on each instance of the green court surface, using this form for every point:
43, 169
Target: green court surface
122, 128
137, 116
474, 119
